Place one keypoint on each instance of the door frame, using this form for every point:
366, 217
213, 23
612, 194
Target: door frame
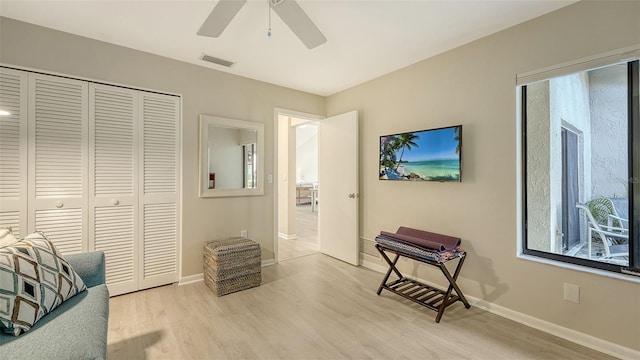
277, 112
569, 211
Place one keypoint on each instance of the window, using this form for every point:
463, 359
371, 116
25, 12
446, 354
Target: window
581, 167
249, 165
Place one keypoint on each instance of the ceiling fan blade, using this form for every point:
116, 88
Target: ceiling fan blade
220, 17
298, 21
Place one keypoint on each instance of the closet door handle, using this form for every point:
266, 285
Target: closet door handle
115, 202
59, 204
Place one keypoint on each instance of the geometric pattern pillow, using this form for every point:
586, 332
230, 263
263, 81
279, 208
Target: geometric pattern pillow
34, 280
6, 237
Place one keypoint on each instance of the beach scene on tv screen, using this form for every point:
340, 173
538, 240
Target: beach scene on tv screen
430, 155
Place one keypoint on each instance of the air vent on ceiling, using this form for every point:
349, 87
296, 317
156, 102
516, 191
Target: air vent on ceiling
216, 60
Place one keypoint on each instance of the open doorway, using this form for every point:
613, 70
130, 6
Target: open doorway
298, 203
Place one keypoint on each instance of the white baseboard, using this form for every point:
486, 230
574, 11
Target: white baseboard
574, 336
200, 277
287, 237
268, 262
191, 279
369, 264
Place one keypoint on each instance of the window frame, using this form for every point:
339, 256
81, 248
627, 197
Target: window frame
634, 165
633, 150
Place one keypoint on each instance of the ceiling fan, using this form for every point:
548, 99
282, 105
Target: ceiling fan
288, 10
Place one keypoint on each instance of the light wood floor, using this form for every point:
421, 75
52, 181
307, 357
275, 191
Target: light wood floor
315, 307
307, 233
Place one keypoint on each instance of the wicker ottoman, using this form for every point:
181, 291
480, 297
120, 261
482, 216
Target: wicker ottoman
232, 265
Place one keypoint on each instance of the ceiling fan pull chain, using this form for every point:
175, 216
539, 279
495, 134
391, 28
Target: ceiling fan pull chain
269, 9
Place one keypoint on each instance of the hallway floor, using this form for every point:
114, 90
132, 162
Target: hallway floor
307, 232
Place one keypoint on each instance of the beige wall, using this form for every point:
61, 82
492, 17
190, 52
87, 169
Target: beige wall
204, 91
474, 85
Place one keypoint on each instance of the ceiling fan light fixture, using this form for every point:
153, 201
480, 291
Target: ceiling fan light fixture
288, 10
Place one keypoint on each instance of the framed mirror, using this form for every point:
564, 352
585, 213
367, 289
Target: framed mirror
231, 157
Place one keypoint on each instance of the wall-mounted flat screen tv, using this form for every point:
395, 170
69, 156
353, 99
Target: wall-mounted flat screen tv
426, 155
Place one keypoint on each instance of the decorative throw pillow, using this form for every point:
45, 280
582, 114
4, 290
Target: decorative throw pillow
34, 280
6, 237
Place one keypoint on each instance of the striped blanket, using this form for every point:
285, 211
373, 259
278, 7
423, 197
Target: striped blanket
417, 251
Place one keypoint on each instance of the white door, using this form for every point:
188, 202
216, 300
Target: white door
338, 187
113, 183
58, 130
13, 151
159, 184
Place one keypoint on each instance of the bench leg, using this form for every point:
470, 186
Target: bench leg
392, 267
452, 286
452, 281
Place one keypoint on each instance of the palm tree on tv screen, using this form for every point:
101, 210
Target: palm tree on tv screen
405, 141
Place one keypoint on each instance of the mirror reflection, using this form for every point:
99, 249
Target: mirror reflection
231, 153
232, 158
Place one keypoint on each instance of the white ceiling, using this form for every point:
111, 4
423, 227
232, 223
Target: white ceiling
365, 38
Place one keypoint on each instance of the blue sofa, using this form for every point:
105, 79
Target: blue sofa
77, 329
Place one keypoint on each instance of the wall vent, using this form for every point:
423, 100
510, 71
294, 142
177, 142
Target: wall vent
216, 60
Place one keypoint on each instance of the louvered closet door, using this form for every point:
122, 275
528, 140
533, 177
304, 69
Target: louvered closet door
159, 188
58, 130
113, 179
13, 151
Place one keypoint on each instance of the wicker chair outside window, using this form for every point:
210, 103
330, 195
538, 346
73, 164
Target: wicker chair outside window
615, 240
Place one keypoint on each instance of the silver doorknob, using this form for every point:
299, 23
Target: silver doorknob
59, 204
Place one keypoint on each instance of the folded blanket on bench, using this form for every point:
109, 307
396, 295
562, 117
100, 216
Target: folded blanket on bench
418, 251
425, 239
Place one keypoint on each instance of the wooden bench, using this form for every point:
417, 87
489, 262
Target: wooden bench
428, 296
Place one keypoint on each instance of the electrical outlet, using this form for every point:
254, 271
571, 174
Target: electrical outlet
572, 293
244, 233
269, 179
